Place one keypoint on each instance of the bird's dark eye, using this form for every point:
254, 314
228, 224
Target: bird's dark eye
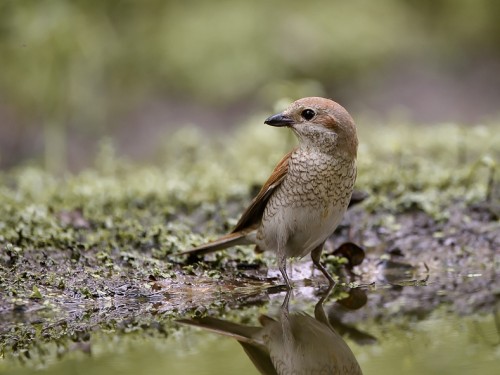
308, 114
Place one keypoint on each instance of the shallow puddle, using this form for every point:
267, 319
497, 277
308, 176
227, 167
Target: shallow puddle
396, 328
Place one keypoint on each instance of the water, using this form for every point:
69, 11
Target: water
426, 342
383, 328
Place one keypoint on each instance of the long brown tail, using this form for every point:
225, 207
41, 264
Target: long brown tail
231, 239
236, 331
255, 349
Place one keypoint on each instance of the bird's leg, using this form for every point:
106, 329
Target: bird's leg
282, 268
284, 319
319, 310
316, 256
286, 301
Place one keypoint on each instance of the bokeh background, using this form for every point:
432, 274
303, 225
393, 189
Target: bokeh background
75, 72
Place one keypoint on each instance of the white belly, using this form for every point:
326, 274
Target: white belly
296, 231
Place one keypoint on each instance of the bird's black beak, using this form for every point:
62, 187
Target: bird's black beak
279, 120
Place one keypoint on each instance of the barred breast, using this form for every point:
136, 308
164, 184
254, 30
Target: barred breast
307, 207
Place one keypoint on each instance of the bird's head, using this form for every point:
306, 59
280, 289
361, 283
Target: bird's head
319, 123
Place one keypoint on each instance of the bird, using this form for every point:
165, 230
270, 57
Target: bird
294, 343
308, 192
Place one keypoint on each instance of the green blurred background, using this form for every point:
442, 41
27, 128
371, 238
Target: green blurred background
73, 72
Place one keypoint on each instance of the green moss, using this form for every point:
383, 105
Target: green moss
36, 293
426, 168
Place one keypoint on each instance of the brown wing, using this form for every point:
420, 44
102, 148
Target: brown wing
253, 214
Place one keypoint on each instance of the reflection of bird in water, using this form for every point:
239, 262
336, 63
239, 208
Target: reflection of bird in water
295, 343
